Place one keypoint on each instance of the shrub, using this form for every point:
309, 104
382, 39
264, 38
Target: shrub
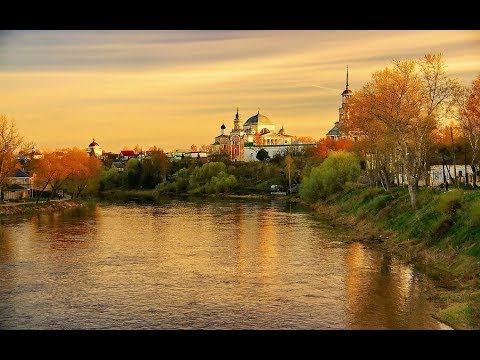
331, 176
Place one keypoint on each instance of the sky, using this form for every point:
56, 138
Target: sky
175, 88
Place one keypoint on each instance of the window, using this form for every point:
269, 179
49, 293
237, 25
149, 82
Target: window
235, 151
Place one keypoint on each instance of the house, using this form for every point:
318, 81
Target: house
126, 155
117, 165
19, 186
437, 171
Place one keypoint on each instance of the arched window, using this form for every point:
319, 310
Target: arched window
235, 151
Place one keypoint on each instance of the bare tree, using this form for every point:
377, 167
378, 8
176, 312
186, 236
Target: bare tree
10, 143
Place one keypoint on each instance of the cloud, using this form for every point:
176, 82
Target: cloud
176, 87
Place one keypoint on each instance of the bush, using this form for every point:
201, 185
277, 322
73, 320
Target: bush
331, 176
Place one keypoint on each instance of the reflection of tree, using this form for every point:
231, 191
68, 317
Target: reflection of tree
72, 227
382, 293
267, 244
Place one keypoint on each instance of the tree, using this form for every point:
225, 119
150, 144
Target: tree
262, 155
325, 145
330, 176
49, 171
10, 142
304, 139
469, 120
289, 170
84, 170
404, 104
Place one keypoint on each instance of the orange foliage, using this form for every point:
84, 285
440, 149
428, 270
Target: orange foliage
442, 135
305, 139
324, 146
57, 167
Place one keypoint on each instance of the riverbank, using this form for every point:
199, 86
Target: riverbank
28, 208
441, 238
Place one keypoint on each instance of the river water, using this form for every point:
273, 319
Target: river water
230, 264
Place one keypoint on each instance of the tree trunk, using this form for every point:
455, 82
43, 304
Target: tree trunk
474, 176
412, 191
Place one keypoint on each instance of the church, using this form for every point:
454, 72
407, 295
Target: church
95, 150
335, 133
257, 131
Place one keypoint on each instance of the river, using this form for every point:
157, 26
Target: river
200, 264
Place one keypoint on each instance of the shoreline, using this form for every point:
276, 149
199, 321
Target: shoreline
30, 208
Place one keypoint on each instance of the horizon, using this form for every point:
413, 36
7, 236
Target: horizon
172, 89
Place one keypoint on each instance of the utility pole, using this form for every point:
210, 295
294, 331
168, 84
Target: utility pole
454, 159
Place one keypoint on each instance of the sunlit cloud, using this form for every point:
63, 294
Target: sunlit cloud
175, 88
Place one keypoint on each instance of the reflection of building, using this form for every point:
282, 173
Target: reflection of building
258, 132
95, 150
343, 115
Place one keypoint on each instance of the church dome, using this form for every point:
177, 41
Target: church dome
259, 118
347, 92
223, 127
93, 143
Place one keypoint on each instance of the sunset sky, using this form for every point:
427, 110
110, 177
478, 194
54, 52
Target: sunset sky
173, 89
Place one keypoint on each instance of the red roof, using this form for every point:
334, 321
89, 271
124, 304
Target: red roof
127, 153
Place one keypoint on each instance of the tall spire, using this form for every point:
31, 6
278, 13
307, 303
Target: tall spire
347, 77
258, 111
237, 113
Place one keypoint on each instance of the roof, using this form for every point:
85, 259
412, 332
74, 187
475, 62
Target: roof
347, 92
127, 152
334, 130
15, 187
20, 173
259, 118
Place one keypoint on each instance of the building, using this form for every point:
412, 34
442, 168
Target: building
255, 133
95, 150
19, 186
126, 155
343, 114
437, 172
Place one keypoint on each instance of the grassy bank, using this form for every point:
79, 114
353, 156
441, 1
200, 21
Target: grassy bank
442, 237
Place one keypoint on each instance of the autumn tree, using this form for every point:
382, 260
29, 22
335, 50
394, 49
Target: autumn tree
325, 145
10, 142
407, 101
469, 120
67, 168
84, 170
49, 171
305, 139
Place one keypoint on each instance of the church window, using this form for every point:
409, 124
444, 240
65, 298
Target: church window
235, 151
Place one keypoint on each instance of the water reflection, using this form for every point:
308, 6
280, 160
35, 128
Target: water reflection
201, 264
